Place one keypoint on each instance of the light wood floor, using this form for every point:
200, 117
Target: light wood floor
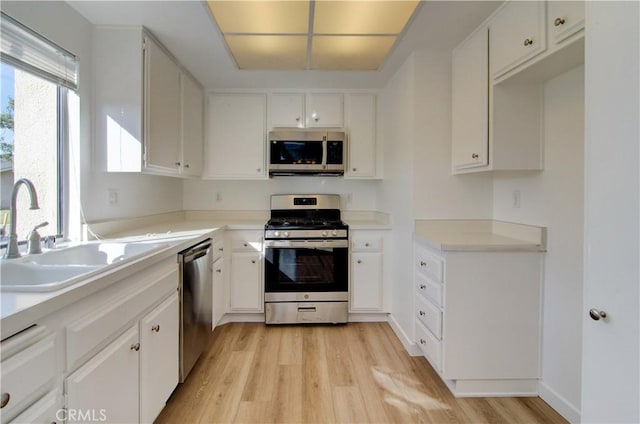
356, 373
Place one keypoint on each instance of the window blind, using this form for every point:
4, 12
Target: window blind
25, 49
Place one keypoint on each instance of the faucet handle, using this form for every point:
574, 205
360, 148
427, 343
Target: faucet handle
42, 224
33, 245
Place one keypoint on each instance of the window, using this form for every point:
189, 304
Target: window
36, 75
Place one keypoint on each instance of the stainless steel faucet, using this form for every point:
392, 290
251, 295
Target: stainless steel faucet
12, 248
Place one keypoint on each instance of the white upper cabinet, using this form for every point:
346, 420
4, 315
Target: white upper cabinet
235, 147
148, 111
517, 33
470, 102
192, 127
361, 129
162, 110
287, 110
324, 110
564, 19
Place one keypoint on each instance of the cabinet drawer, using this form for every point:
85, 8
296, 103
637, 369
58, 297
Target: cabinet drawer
88, 333
430, 316
217, 248
364, 243
44, 411
428, 264
27, 375
429, 289
246, 241
430, 346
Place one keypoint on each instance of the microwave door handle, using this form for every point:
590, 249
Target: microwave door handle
324, 152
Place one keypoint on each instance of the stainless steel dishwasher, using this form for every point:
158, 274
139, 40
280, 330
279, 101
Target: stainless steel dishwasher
195, 304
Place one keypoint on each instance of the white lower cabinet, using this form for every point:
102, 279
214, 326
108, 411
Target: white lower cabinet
107, 386
477, 318
159, 342
218, 291
143, 361
367, 288
246, 286
47, 410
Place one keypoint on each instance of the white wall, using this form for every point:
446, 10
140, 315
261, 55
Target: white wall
436, 193
255, 195
138, 194
553, 198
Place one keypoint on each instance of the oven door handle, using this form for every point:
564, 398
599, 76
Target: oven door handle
306, 244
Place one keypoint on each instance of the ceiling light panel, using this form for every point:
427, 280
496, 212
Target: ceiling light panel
261, 17
349, 52
361, 17
268, 51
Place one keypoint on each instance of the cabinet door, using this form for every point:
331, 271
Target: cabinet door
246, 282
366, 282
219, 293
361, 112
44, 411
565, 18
325, 110
107, 385
236, 138
517, 33
192, 127
159, 341
470, 102
162, 110
287, 110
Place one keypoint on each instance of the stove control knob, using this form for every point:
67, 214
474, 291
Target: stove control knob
324, 234
276, 233
334, 232
286, 234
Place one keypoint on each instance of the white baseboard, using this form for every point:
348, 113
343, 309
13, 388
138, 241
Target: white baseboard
559, 403
406, 341
368, 317
240, 317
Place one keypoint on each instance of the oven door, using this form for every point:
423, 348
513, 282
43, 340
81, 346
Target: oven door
306, 266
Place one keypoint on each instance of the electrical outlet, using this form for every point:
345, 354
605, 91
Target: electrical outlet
516, 198
113, 196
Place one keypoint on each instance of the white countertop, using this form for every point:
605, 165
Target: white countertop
480, 235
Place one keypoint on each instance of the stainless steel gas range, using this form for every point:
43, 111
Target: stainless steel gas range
306, 260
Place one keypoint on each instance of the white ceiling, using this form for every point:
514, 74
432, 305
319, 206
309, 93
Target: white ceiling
188, 31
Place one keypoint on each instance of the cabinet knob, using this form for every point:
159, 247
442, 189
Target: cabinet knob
558, 21
423, 341
359, 261
474, 156
422, 313
596, 314
366, 245
354, 169
246, 244
316, 119
135, 347
422, 286
528, 42
177, 163
4, 400
156, 328
186, 165
253, 261
298, 119
218, 270
259, 169
221, 249
423, 263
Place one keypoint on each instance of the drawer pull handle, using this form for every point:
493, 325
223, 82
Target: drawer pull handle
423, 263
135, 347
5, 400
423, 341
528, 42
156, 328
559, 21
423, 286
422, 313
359, 261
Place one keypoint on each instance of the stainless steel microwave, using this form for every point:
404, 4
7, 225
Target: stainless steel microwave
306, 152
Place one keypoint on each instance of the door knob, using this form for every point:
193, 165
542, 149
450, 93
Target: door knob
596, 314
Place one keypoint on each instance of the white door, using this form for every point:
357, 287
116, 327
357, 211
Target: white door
159, 340
106, 387
611, 353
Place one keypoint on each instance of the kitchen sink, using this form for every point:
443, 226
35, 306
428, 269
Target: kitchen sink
60, 268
